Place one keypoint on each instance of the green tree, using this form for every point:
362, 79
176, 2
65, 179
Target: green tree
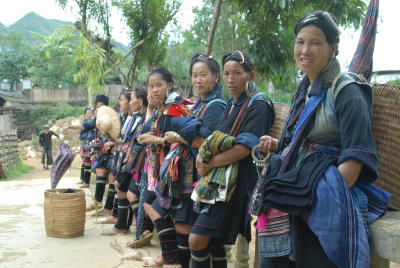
269, 26
13, 65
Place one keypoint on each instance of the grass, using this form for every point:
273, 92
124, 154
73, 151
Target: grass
17, 170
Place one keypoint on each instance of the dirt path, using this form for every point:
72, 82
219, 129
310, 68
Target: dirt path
23, 240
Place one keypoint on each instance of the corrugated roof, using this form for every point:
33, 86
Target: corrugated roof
16, 100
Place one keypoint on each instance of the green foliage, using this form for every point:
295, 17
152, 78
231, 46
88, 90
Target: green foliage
92, 66
32, 22
395, 82
147, 20
269, 25
54, 64
15, 171
13, 65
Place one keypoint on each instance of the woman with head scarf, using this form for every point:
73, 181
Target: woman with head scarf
314, 205
227, 175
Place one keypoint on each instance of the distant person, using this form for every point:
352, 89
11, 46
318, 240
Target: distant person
45, 142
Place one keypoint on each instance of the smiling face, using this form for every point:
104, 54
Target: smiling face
312, 51
235, 78
203, 80
158, 89
124, 104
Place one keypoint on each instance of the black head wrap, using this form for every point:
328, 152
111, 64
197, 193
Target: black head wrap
242, 58
101, 98
323, 20
211, 63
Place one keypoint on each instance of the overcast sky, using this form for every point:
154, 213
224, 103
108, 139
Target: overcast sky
386, 57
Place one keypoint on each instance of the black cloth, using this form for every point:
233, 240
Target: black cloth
293, 191
353, 110
181, 211
45, 139
124, 179
87, 134
225, 220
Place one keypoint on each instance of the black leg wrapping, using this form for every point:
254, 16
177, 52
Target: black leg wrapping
167, 236
114, 212
110, 197
147, 224
86, 176
184, 250
100, 188
218, 254
123, 214
200, 258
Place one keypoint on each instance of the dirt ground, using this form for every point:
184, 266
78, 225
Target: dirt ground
23, 240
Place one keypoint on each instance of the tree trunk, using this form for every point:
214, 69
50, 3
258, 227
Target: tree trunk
214, 24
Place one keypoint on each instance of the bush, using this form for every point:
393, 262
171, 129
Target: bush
15, 171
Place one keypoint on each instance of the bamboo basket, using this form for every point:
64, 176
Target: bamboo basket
386, 129
64, 213
281, 114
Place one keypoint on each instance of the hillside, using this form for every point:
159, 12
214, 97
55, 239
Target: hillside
33, 22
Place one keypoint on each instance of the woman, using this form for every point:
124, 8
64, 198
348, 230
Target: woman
123, 109
187, 137
86, 136
247, 116
137, 105
169, 105
328, 152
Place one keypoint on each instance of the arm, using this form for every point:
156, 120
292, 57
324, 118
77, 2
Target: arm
358, 159
55, 134
237, 153
75, 127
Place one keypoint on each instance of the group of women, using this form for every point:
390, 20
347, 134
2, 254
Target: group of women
186, 169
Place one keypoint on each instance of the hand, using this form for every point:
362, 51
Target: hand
170, 137
116, 184
148, 138
268, 144
203, 168
108, 145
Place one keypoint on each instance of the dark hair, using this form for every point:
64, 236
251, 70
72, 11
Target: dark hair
126, 92
141, 93
211, 63
323, 20
241, 57
88, 109
101, 98
165, 74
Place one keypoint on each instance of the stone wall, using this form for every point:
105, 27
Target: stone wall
8, 150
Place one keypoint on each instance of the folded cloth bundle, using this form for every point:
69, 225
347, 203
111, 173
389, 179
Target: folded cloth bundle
294, 191
220, 183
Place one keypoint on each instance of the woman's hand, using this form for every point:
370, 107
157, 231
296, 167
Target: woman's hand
268, 144
108, 145
171, 137
149, 138
203, 168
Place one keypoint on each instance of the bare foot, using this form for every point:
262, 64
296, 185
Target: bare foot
152, 261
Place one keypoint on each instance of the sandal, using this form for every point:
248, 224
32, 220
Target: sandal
145, 240
135, 256
115, 231
107, 220
152, 262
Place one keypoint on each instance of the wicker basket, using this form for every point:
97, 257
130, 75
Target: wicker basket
386, 129
64, 213
281, 114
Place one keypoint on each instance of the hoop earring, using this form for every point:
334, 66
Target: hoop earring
249, 89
